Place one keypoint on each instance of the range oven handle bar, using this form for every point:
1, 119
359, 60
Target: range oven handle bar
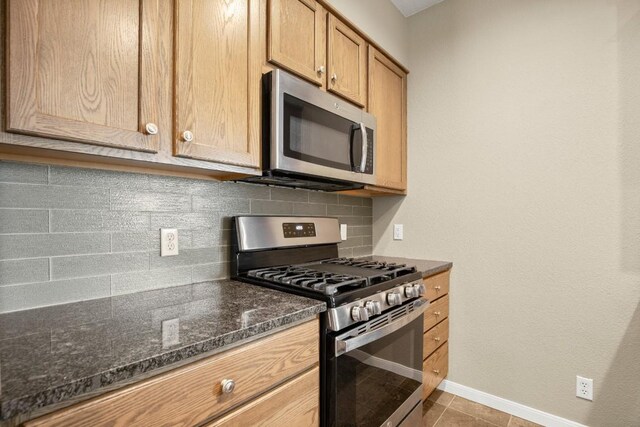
343, 346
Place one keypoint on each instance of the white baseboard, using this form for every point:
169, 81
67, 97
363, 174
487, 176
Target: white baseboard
508, 406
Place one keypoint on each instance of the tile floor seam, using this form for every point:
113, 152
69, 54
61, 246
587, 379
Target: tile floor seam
476, 416
438, 420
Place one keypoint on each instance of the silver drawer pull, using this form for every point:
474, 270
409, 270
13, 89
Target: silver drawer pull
228, 386
151, 129
187, 135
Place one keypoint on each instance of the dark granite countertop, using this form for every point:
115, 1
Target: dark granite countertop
75, 351
427, 267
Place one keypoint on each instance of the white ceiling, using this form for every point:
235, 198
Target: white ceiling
411, 7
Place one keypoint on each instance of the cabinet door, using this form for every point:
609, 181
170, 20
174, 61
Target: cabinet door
296, 38
347, 60
217, 81
84, 70
388, 103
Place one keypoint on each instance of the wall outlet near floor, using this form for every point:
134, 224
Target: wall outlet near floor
170, 332
584, 388
343, 231
168, 242
398, 231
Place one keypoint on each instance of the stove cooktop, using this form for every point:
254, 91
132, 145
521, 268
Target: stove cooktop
333, 276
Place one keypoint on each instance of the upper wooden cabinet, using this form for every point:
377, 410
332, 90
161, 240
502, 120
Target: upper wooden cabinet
347, 61
317, 46
297, 37
84, 70
388, 103
217, 81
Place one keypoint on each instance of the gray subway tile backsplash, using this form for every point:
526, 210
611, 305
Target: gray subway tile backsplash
27, 196
69, 234
16, 172
15, 271
24, 221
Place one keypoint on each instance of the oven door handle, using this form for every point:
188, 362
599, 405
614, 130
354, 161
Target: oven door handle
343, 346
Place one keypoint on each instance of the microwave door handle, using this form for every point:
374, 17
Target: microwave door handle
365, 148
352, 134
343, 346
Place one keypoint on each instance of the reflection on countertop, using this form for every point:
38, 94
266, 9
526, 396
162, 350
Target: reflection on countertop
57, 353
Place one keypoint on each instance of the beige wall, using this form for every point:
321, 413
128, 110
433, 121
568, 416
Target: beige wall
524, 170
380, 20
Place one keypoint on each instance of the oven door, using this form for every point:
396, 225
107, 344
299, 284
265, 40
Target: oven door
316, 133
374, 371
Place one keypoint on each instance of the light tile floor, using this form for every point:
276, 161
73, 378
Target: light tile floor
443, 409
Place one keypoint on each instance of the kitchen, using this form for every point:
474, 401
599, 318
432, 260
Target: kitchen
520, 168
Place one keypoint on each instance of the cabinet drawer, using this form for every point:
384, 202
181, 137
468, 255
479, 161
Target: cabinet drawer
192, 394
296, 403
435, 368
435, 337
436, 286
437, 311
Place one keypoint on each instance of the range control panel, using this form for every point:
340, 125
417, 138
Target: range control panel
299, 229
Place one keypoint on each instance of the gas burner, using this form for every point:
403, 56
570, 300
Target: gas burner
376, 265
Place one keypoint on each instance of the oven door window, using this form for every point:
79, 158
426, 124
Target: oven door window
379, 380
315, 135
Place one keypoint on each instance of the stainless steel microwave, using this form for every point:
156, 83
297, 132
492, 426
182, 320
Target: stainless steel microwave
312, 139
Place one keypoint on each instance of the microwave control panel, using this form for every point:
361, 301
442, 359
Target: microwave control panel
299, 229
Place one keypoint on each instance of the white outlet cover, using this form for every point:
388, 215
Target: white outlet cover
169, 242
584, 388
170, 332
398, 232
343, 231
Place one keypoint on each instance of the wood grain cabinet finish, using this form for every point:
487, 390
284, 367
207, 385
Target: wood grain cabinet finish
84, 70
436, 286
347, 61
193, 394
438, 311
217, 81
296, 38
296, 403
435, 344
387, 96
434, 369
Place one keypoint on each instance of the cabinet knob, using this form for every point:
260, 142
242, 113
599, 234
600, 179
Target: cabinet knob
228, 386
187, 135
334, 77
436, 287
321, 69
151, 128
436, 371
437, 339
436, 313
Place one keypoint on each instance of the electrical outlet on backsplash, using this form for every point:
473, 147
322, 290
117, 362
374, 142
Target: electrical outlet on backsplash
70, 234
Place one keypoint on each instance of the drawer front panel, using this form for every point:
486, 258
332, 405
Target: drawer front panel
436, 286
193, 393
435, 337
435, 368
296, 403
437, 311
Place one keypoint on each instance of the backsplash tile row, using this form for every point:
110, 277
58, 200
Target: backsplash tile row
70, 234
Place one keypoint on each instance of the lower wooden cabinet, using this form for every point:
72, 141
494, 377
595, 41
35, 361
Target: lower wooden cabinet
292, 404
435, 345
276, 378
434, 369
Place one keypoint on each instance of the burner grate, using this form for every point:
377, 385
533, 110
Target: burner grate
322, 281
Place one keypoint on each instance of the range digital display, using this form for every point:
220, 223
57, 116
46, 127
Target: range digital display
298, 229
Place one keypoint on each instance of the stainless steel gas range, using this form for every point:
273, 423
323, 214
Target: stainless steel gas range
371, 333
